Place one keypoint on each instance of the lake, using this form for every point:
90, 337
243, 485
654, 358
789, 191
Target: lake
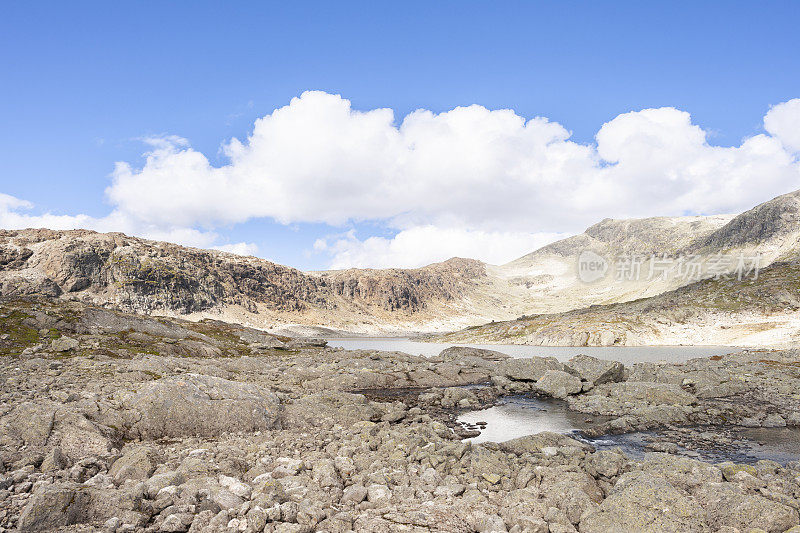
624, 354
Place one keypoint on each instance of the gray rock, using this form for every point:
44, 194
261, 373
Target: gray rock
54, 461
54, 506
606, 463
727, 505
460, 353
680, 472
64, 344
558, 384
540, 441
774, 421
598, 371
646, 392
328, 408
378, 494
643, 502
225, 498
162, 480
529, 369
177, 523
31, 422
193, 404
354, 494
136, 463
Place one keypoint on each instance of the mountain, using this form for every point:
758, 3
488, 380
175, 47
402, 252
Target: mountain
548, 277
655, 235
754, 311
152, 277
760, 311
773, 227
158, 278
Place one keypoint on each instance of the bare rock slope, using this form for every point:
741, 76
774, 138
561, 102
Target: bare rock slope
148, 277
122, 423
748, 312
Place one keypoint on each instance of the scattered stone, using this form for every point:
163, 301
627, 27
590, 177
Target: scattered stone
594, 370
64, 344
198, 405
558, 384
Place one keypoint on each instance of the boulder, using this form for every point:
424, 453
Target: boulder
558, 384
680, 472
461, 353
64, 504
54, 461
329, 408
643, 502
354, 494
606, 463
54, 506
646, 392
64, 344
31, 422
137, 463
598, 371
538, 442
528, 369
177, 523
727, 505
79, 438
198, 405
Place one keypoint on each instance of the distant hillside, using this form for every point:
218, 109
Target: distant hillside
774, 224
144, 276
656, 235
150, 277
760, 311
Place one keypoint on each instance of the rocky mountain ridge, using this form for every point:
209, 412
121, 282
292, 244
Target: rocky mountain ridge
724, 311
147, 277
150, 277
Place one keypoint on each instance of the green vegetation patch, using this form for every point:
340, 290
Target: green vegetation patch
16, 335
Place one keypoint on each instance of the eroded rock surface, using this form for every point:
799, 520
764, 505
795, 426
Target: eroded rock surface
163, 425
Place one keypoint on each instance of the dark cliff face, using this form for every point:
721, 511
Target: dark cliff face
397, 289
145, 276
776, 218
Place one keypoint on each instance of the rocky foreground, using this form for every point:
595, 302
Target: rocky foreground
116, 422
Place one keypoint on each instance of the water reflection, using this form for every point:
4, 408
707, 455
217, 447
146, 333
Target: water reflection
517, 416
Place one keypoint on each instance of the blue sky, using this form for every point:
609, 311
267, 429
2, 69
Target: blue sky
84, 82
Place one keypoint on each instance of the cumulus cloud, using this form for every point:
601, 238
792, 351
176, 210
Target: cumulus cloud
319, 160
14, 214
239, 248
469, 181
423, 245
783, 122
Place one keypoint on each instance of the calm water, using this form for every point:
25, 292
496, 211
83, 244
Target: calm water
517, 416
624, 354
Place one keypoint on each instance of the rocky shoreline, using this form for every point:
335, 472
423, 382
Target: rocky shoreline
117, 422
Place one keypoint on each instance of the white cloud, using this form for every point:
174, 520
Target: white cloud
783, 121
469, 182
318, 160
239, 248
423, 245
14, 215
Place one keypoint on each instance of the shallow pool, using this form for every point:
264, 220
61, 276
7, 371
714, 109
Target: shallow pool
518, 416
